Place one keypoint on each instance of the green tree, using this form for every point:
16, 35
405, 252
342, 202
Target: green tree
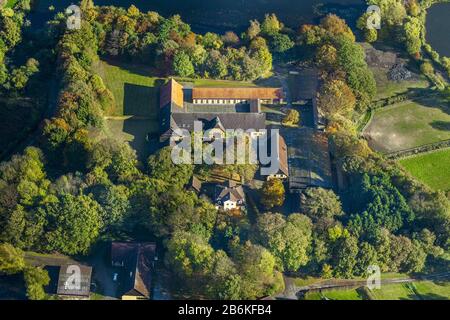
271, 25
319, 203
288, 240
35, 280
326, 56
11, 259
189, 255
281, 43
73, 224
256, 266
182, 65
344, 256
162, 167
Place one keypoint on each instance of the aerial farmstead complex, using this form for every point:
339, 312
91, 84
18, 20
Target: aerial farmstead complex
224, 150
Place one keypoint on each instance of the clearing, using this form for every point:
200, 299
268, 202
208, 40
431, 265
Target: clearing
433, 168
409, 124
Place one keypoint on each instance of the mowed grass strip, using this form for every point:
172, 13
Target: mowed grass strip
433, 168
408, 125
135, 93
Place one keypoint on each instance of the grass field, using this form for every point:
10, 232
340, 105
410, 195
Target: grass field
409, 124
137, 132
423, 290
433, 169
136, 94
387, 88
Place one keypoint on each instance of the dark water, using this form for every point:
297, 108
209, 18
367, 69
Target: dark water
438, 28
222, 15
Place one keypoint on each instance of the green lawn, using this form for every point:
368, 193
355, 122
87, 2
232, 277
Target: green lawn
398, 291
137, 132
424, 290
349, 294
409, 124
136, 93
387, 88
433, 290
433, 169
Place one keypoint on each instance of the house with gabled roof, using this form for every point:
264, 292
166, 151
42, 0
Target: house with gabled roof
136, 262
229, 196
281, 157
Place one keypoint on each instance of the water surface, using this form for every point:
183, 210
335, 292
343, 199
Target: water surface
438, 28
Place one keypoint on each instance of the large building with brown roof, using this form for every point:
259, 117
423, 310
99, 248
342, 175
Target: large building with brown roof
281, 158
236, 95
136, 261
228, 108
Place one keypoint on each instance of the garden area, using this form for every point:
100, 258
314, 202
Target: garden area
433, 169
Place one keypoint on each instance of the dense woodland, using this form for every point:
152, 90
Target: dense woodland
69, 192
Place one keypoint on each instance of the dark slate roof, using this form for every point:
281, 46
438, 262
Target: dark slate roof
137, 259
256, 121
85, 282
309, 161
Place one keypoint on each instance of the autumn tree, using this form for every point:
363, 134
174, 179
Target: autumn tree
335, 97
291, 118
272, 193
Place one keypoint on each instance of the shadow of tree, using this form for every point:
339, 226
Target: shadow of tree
441, 125
429, 296
432, 99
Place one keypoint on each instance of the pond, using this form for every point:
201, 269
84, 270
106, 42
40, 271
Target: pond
438, 28
223, 15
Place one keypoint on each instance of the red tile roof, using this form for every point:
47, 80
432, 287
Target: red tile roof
237, 93
172, 92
